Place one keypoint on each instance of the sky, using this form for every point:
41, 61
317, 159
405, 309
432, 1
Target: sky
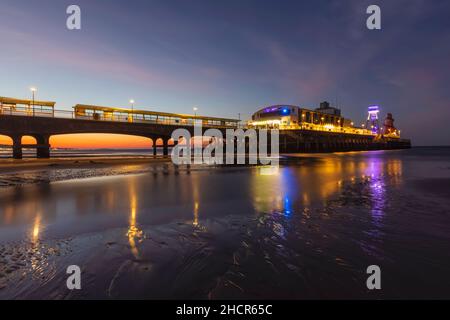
233, 57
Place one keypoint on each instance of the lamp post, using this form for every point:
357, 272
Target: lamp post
195, 114
33, 90
132, 109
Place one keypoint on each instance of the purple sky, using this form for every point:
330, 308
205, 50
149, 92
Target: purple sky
230, 57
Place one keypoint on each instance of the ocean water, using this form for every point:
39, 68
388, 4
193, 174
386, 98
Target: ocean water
68, 153
308, 229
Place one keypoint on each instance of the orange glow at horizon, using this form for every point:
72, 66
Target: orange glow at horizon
28, 140
5, 140
91, 141
99, 140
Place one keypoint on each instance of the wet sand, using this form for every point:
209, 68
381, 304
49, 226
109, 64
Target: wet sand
12, 165
312, 256
307, 231
32, 171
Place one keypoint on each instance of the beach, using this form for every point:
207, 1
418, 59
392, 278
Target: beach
31, 171
142, 228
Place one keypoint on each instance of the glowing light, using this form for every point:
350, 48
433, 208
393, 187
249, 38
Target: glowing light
269, 171
287, 207
36, 229
196, 206
263, 123
133, 230
285, 111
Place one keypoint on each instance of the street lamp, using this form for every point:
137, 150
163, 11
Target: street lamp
33, 90
195, 114
132, 109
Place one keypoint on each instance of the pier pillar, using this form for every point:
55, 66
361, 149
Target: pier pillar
17, 147
43, 147
43, 152
154, 147
166, 147
175, 143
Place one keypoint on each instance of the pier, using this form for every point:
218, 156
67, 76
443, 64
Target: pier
40, 120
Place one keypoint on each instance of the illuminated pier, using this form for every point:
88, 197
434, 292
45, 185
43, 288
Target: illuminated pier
301, 129
323, 119
40, 120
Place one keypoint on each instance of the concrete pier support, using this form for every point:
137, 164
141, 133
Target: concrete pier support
166, 147
17, 147
154, 149
43, 152
43, 147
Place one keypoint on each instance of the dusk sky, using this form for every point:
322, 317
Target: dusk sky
230, 57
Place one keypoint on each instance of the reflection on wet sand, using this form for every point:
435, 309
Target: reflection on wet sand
36, 229
315, 182
196, 189
195, 221
288, 189
37, 263
304, 229
134, 233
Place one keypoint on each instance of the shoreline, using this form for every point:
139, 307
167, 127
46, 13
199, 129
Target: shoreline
15, 173
12, 166
89, 162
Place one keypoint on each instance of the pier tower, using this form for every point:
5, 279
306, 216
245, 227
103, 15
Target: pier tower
372, 122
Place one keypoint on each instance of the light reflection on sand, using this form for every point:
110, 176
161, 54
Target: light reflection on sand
216, 232
134, 233
92, 203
